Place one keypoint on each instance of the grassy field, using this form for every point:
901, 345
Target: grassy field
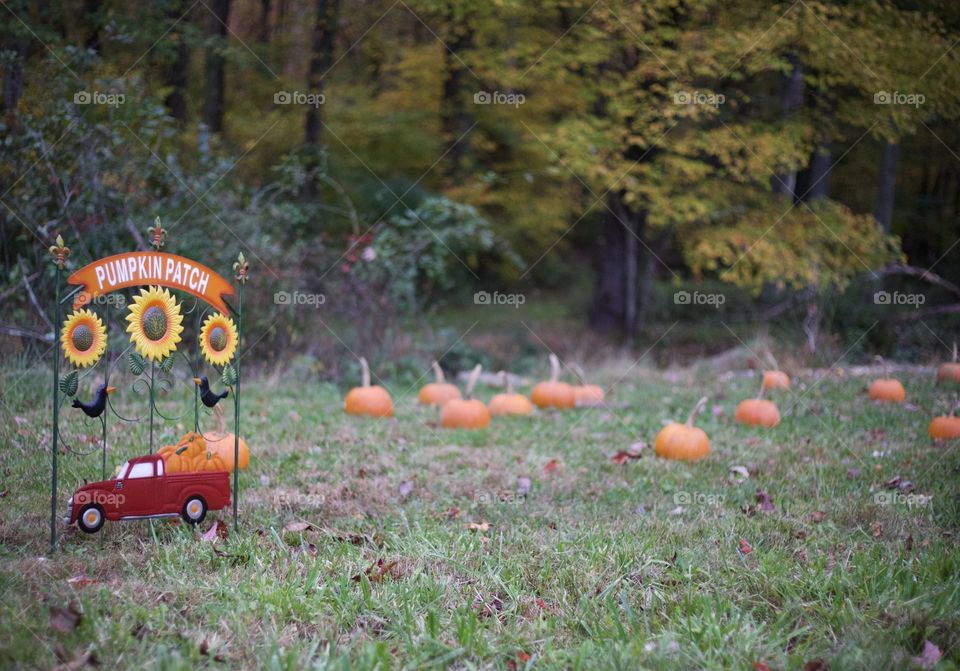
397, 544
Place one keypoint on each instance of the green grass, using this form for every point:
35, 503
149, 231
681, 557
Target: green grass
598, 566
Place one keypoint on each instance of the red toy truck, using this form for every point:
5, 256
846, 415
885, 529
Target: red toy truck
141, 490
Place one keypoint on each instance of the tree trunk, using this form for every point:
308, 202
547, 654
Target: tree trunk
213, 105
630, 276
606, 313
91, 14
177, 75
819, 174
887, 186
13, 82
321, 59
455, 119
265, 21
791, 101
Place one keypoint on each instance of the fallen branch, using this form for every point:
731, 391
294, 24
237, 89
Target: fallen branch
922, 274
32, 296
20, 332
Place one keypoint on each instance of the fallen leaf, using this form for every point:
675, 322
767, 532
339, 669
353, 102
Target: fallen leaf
481, 527
405, 489
815, 665
296, 527
745, 547
853, 473
524, 485
818, 516
929, 657
623, 457
637, 448
877, 530
552, 466
765, 501
740, 471
80, 581
452, 513
216, 531
488, 607
65, 619
379, 571
88, 657
760, 666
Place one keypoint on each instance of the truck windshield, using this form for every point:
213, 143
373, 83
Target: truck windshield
123, 470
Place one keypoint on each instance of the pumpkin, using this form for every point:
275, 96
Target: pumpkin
372, 401
775, 379
757, 411
466, 413
944, 427
438, 392
553, 393
509, 403
949, 372
209, 462
221, 443
683, 441
887, 390
178, 461
586, 395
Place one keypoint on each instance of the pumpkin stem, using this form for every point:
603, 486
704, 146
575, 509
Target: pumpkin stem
554, 367
218, 415
760, 393
701, 404
954, 351
364, 373
472, 380
507, 383
437, 372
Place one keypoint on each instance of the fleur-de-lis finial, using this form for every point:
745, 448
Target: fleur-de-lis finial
157, 234
60, 252
241, 268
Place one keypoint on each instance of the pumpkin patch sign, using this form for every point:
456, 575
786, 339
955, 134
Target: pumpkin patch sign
132, 269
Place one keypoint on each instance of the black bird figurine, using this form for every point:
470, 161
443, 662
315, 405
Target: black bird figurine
209, 398
95, 407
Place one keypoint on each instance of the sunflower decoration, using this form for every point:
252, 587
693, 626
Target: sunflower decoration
155, 323
83, 338
218, 339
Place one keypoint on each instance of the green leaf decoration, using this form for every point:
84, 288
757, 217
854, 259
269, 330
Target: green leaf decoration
229, 376
167, 364
136, 363
69, 383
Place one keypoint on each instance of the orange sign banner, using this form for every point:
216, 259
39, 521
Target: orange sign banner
133, 269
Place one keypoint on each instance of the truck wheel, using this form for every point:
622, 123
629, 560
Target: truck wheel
90, 519
194, 510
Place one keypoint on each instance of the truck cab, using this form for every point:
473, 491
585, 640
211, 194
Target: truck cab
142, 489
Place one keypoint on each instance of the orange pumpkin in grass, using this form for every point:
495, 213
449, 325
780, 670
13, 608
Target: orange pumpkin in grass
775, 379
757, 411
887, 390
949, 372
509, 403
439, 391
586, 395
683, 441
944, 427
553, 393
367, 399
466, 413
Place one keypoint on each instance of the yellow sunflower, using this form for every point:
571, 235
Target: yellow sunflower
218, 339
83, 338
155, 323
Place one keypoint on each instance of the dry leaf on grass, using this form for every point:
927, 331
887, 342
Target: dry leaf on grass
216, 531
744, 547
818, 516
929, 657
552, 465
80, 581
296, 527
378, 571
481, 527
65, 619
765, 501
